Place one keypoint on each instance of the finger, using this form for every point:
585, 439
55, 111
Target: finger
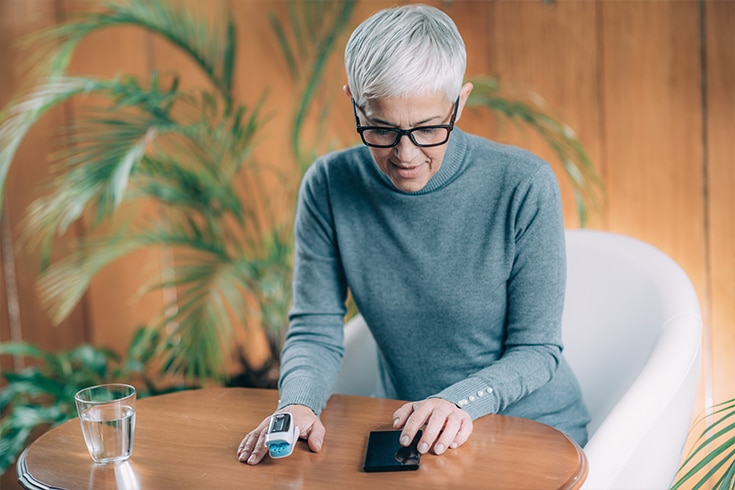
464, 433
401, 415
249, 441
415, 421
259, 451
448, 435
433, 428
247, 445
316, 436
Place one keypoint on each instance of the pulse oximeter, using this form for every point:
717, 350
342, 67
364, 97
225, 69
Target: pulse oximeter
281, 436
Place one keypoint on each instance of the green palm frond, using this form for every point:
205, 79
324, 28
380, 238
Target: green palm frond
274, 278
102, 159
93, 175
148, 143
106, 147
214, 283
713, 453
315, 28
186, 190
216, 290
198, 336
62, 285
212, 46
213, 291
586, 183
19, 117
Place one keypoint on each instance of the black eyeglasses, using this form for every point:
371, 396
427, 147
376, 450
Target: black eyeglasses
422, 136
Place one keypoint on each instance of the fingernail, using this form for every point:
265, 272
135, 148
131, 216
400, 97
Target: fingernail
404, 441
251, 459
395, 422
454, 445
423, 447
318, 444
439, 448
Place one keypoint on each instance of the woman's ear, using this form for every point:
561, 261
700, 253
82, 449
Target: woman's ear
464, 94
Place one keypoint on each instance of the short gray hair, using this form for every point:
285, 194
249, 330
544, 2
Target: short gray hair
400, 51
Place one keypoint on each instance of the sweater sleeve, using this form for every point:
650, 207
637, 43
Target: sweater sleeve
535, 295
313, 348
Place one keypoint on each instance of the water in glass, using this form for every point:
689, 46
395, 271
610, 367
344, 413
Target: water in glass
108, 431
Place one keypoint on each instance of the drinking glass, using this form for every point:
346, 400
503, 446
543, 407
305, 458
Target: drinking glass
107, 416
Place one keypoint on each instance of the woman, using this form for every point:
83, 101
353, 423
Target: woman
452, 247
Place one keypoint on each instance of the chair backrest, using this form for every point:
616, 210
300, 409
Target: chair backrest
632, 335
359, 373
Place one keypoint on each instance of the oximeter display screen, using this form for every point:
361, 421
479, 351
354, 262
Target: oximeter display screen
280, 423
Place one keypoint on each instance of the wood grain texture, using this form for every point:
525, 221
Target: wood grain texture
720, 107
548, 52
652, 99
28, 172
189, 440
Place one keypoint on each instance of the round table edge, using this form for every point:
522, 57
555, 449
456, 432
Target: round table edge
25, 479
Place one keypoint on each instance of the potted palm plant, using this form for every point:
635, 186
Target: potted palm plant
190, 152
182, 150
186, 151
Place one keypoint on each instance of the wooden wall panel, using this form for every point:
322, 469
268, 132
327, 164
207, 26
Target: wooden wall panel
475, 25
31, 167
7, 87
262, 73
549, 50
720, 112
5, 327
653, 127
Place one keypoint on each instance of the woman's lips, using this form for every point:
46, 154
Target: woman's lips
407, 171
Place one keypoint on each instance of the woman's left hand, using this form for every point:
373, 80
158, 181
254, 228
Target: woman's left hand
445, 424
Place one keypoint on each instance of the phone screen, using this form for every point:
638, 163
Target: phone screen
385, 453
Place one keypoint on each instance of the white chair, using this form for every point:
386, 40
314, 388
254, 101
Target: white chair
632, 334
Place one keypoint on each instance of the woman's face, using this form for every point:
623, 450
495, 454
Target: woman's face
408, 166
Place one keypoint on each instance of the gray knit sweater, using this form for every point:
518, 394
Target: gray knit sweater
462, 283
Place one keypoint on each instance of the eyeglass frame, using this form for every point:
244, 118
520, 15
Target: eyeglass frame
405, 132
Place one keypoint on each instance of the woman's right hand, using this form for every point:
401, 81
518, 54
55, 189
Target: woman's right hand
252, 448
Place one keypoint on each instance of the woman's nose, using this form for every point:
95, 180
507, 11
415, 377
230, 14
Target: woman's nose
405, 149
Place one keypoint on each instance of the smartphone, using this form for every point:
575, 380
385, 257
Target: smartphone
385, 453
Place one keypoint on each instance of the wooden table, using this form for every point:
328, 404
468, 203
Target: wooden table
189, 440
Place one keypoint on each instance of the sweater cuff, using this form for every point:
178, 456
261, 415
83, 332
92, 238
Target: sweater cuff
472, 395
301, 391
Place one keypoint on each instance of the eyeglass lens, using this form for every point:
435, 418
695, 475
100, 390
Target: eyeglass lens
428, 136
